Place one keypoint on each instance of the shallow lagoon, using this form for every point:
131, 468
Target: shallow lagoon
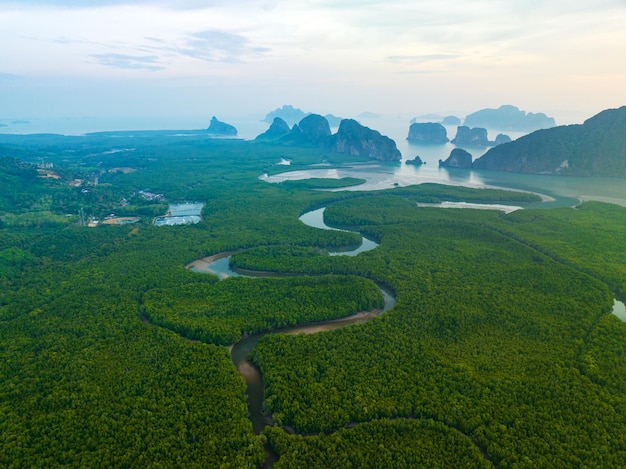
556, 191
185, 213
619, 309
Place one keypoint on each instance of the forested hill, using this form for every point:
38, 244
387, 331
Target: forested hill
595, 148
11, 168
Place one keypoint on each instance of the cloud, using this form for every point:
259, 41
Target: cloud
152, 53
219, 46
165, 4
155, 53
421, 58
129, 62
78, 4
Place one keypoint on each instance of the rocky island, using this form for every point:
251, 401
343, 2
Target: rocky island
351, 137
458, 158
427, 132
278, 129
218, 127
417, 161
477, 137
472, 137
356, 139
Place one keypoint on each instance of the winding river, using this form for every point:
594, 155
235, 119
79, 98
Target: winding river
219, 264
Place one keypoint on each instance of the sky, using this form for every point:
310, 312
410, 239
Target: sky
194, 58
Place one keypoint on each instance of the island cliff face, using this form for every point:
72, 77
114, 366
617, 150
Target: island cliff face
476, 137
312, 130
221, 128
356, 139
458, 158
427, 132
278, 129
351, 137
595, 148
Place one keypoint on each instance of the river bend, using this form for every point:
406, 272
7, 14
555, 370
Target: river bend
219, 264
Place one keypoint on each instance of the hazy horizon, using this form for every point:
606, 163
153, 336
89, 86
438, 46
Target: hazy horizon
190, 59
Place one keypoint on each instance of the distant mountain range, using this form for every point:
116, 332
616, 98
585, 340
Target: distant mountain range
595, 148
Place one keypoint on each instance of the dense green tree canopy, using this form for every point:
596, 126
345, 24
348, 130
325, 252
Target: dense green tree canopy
500, 349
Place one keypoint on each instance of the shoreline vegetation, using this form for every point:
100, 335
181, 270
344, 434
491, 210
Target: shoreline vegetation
500, 351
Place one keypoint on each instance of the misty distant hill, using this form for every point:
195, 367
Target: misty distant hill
509, 117
368, 115
288, 113
595, 148
292, 115
435, 118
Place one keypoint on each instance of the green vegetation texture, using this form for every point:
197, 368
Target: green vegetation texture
500, 351
320, 183
223, 313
